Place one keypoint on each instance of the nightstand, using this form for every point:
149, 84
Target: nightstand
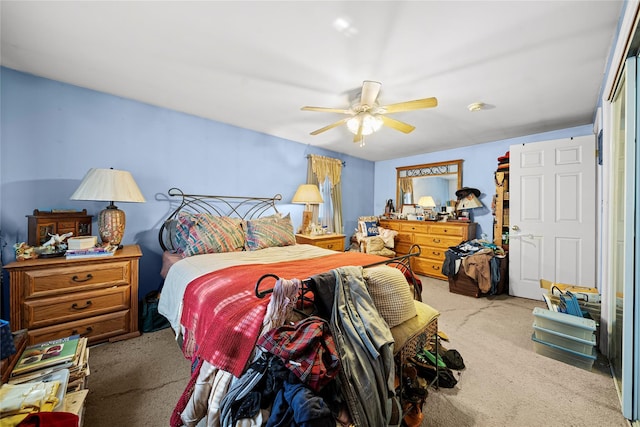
327, 241
93, 297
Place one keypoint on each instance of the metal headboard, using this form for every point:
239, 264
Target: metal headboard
233, 206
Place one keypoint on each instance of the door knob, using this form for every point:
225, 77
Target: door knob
515, 228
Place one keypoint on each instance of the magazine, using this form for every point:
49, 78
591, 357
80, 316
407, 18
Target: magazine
47, 354
98, 251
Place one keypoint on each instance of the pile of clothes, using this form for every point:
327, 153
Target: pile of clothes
480, 260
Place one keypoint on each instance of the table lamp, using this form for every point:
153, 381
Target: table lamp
427, 203
109, 185
468, 201
307, 194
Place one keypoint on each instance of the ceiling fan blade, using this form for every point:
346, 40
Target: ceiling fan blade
328, 110
370, 91
358, 137
331, 126
397, 124
410, 105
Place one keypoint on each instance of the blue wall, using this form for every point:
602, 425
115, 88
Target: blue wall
52, 133
478, 167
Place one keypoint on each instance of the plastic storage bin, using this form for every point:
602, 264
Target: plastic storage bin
567, 324
570, 357
584, 346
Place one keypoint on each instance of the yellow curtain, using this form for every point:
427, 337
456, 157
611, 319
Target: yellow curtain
406, 185
312, 179
326, 167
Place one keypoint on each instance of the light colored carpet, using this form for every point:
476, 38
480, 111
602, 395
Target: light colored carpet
137, 382
505, 382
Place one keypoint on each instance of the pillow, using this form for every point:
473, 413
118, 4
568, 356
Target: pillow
205, 233
374, 244
391, 294
269, 232
369, 228
388, 236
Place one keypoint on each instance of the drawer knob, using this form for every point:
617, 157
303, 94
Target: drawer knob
85, 306
436, 240
435, 267
87, 331
436, 253
79, 280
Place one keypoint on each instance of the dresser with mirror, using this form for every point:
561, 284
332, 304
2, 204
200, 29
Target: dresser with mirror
440, 181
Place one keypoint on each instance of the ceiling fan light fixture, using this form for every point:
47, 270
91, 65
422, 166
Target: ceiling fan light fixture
370, 123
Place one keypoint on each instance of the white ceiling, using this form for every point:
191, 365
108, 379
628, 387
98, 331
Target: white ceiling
539, 66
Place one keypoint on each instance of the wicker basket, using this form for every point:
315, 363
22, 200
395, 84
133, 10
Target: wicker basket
422, 339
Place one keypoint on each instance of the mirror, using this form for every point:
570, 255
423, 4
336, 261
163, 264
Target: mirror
438, 180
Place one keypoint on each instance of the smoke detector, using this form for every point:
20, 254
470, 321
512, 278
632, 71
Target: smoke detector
476, 106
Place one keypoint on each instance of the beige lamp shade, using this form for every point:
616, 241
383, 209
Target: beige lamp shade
308, 194
110, 185
426, 202
470, 201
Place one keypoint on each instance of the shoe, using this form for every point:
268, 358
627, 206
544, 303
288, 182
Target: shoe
429, 372
413, 415
428, 357
425, 369
412, 390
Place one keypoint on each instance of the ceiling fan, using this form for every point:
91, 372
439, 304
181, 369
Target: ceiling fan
366, 116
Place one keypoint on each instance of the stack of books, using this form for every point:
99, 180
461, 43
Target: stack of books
39, 360
63, 362
96, 251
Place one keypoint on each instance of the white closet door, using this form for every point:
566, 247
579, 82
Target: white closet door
552, 214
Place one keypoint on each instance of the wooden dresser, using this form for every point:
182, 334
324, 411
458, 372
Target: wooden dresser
434, 238
94, 297
328, 241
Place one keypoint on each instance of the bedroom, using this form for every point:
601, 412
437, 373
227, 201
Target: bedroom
53, 132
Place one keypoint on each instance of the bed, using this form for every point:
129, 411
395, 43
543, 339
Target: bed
237, 288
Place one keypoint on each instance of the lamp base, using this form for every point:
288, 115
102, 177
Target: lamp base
306, 221
111, 223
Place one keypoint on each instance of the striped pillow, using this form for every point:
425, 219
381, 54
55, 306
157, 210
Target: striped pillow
268, 232
205, 233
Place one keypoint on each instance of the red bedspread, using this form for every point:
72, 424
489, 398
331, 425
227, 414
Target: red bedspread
222, 315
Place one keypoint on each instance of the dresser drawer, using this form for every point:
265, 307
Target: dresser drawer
333, 244
96, 329
414, 227
430, 240
73, 278
436, 254
448, 230
428, 267
389, 225
48, 311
